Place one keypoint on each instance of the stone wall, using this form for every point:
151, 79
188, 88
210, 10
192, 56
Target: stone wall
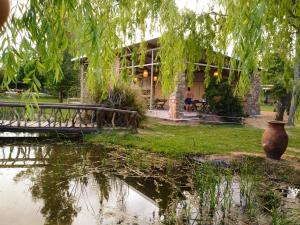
176, 100
85, 94
251, 101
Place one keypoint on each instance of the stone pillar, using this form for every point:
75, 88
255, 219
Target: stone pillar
82, 82
82, 76
251, 101
176, 100
117, 67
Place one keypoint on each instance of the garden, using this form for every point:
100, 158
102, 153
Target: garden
88, 73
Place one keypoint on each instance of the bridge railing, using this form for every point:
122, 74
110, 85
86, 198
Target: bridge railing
63, 117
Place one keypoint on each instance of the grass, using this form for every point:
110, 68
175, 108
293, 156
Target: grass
267, 107
41, 99
179, 140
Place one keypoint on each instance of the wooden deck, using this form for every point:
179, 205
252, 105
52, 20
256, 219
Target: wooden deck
63, 118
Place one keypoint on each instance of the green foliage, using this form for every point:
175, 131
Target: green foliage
279, 73
31, 74
214, 187
99, 30
221, 99
68, 84
125, 97
256, 29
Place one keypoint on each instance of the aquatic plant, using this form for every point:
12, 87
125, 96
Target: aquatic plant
249, 181
214, 187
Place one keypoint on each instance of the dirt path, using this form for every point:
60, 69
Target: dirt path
285, 161
261, 121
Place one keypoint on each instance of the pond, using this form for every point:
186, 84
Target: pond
64, 184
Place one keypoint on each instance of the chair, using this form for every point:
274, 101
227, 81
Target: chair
200, 106
159, 103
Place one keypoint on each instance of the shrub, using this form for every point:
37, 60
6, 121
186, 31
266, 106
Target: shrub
221, 99
123, 96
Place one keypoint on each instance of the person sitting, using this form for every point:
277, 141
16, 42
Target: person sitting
188, 99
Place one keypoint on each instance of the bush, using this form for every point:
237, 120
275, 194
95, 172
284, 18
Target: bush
220, 97
126, 97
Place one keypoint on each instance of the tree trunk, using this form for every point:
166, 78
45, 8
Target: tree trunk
295, 94
279, 111
283, 105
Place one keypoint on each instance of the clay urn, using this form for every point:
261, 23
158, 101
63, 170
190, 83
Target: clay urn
275, 140
4, 11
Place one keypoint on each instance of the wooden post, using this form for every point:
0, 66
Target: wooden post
39, 117
99, 118
132, 67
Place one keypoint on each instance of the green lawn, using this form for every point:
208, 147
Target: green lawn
41, 99
267, 107
184, 139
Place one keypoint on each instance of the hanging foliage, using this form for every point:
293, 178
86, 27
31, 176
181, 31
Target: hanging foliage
256, 28
97, 29
100, 29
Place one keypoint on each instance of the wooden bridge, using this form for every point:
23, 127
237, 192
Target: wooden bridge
63, 118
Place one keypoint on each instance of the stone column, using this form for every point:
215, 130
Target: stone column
176, 100
251, 102
117, 67
82, 75
82, 82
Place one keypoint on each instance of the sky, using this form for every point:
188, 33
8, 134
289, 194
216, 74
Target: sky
197, 5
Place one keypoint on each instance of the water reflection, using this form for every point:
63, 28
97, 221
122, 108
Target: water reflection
63, 185
83, 185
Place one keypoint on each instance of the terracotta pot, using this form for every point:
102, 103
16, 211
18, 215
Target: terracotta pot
4, 11
275, 140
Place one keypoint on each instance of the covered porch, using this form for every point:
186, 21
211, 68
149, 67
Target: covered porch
147, 78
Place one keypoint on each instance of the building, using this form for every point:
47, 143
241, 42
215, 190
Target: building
147, 77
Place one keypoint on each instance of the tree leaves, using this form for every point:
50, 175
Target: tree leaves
100, 29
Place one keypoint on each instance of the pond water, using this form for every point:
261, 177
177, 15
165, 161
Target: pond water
66, 184
62, 184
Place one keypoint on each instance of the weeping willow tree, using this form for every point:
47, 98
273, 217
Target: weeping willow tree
96, 29
100, 29
255, 28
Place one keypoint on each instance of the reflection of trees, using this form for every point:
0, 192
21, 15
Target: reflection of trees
52, 185
66, 175
104, 186
57, 183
